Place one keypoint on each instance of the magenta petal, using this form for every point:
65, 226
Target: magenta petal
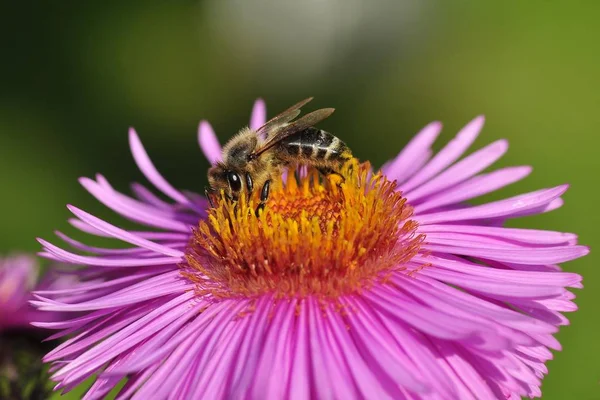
447, 155
259, 114
209, 143
429, 289
460, 171
136, 213
382, 351
135, 382
424, 319
342, 382
145, 290
250, 349
466, 372
222, 363
365, 379
534, 256
161, 345
474, 187
122, 234
418, 146
272, 363
166, 377
556, 279
98, 250
68, 257
490, 286
531, 236
145, 195
151, 173
544, 208
83, 227
415, 347
502, 208
135, 332
98, 330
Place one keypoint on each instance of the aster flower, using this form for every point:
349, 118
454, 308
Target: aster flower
18, 278
22, 374
387, 286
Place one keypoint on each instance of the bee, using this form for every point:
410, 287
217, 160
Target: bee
252, 158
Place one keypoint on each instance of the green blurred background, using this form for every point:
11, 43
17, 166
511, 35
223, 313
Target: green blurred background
75, 76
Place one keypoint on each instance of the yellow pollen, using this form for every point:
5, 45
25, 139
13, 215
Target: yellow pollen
321, 237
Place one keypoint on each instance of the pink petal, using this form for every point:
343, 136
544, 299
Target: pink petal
533, 278
273, 367
518, 255
134, 382
222, 364
165, 342
149, 170
145, 195
249, 351
342, 382
502, 208
414, 150
99, 250
414, 346
490, 286
424, 319
259, 114
123, 234
466, 372
460, 171
380, 349
135, 333
520, 235
449, 154
209, 143
474, 187
365, 378
83, 227
154, 218
167, 377
300, 376
451, 300
72, 258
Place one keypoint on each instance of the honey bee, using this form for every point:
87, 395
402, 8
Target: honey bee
252, 158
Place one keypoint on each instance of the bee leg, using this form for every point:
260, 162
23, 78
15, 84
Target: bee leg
326, 171
260, 207
264, 195
208, 193
249, 185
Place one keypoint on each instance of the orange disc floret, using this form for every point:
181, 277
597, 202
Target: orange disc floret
315, 237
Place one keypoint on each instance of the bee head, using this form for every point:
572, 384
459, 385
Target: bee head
222, 178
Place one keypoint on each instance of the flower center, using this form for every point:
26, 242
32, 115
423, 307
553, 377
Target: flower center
315, 237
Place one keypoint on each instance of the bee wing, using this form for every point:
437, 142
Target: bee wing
287, 130
281, 119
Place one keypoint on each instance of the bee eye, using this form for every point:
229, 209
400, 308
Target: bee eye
235, 183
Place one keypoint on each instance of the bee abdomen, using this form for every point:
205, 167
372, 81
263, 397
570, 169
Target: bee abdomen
316, 145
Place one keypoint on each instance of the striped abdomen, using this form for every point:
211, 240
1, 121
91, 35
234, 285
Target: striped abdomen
314, 146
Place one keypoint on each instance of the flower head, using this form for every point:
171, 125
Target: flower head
314, 239
22, 374
386, 285
18, 278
